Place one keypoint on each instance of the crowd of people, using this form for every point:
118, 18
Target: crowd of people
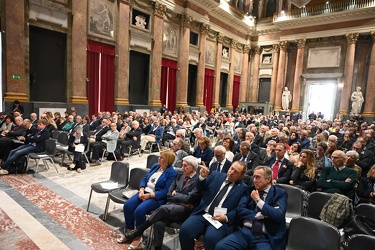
231, 199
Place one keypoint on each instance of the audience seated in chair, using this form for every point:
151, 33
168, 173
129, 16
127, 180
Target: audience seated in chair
77, 138
96, 140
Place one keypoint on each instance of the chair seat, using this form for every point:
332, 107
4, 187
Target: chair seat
99, 189
117, 196
37, 155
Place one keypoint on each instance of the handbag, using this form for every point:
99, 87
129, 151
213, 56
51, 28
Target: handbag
360, 224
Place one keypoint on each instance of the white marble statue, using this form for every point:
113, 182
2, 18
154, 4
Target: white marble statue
225, 53
140, 21
357, 101
286, 99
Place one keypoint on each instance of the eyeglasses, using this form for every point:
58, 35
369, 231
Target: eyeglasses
335, 157
355, 148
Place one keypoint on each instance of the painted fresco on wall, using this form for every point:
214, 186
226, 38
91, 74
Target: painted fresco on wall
102, 18
210, 53
170, 39
237, 61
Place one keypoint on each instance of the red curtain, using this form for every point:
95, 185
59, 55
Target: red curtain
236, 91
208, 88
101, 76
168, 83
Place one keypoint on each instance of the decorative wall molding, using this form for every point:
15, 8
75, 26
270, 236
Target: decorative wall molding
50, 12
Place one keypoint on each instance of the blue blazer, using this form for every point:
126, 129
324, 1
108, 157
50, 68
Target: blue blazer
206, 156
158, 132
275, 222
224, 169
211, 186
163, 183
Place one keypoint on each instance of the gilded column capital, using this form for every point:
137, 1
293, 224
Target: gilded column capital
284, 45
372, 35
276, 48
246, 48
204, 28
352, 37
258, 50
220, 37
159, 9
186, 20
301, 43
233, 44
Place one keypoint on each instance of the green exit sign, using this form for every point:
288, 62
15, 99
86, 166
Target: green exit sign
14, 76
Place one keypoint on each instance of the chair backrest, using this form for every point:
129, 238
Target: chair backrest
361, 241
136, 176
120, 173
262, 154
151, 160
295, 200
367, 210
51, 147
311, 234
55, 134
317, 200
63, 138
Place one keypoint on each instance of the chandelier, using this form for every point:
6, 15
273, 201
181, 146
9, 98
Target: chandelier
299, 3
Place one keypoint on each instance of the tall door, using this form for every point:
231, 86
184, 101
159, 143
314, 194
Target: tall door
223, 89
192, 85
139, 74
100, 76
168, 83
264, 89
236, 91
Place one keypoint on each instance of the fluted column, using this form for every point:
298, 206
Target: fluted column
297, 75
157, 53
275, 64
201, 64
244, 87
220, 38
233, 46
14, 46
281, 74
255, 82
369, 109
122, 61
183, 61
348, 73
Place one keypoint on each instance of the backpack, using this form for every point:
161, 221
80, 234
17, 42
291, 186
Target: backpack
337, 210
19, 166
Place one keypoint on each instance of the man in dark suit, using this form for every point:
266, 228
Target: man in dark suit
133, 138
258, 139
263, 217
365, 160
248, 157
6, 137
182, 199
35, 143
250, 139
281, 168
221, 164
176, 146
219, 190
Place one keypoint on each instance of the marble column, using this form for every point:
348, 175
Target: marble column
183, 61
244, 87
14, 47
157, 53
255, 82
298, 75
369, 109
281, 74
348, 73
79, 53
275, 64
260, 9
122, 50
219, 52
233, 46
201, 65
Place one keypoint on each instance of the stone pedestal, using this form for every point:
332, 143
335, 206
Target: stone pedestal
298, 75
255, 85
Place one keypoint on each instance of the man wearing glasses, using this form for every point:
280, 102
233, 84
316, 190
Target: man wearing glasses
338, 178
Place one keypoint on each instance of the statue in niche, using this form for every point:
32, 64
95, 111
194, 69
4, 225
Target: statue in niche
286, 98
267, 59
225, 53
357, 101
140, 21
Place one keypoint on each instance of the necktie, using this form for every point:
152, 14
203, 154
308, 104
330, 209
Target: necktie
218, 166
218, 198
275, 170
257, 228
186, 180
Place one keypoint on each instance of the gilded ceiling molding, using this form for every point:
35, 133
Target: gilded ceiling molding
301, 43
352, 37
284, 45
159, 9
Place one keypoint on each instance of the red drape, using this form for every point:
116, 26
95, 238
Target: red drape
168, 83
208, 88
236, 91
101, 76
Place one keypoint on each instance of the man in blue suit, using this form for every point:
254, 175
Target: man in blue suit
221, 164
219, 190
263, 218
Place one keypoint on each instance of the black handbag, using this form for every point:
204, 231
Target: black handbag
360, 224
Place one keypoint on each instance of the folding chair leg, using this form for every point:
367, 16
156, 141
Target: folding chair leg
106, 208
88, 204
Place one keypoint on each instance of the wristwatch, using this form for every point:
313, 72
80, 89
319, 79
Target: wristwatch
257, 201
